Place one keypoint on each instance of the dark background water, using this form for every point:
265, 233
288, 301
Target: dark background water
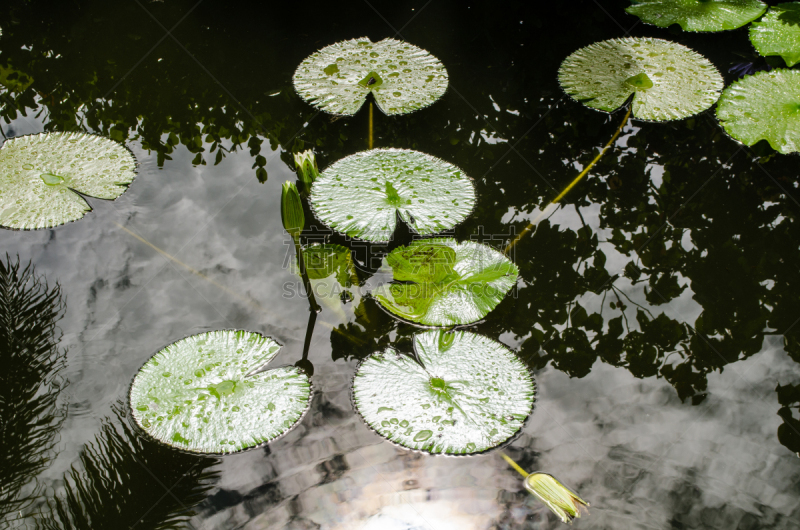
659, 307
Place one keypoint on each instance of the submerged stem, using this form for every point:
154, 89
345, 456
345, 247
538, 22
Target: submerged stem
304, 274
513, 464
572, 184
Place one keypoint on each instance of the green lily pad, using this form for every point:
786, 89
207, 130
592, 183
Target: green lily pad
778, 33
200, 394
361, 195
698, 15
668, 81
468, 393
39, 175
402, 77
446, 283
764, 106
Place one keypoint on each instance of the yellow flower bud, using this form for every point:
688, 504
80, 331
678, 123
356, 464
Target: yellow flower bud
560, 499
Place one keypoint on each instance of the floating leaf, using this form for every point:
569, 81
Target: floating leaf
446, 283
200, 394
764, 106
402, 77
778, 33
698, 15
468, 394
668, 81
39, 175
361, 195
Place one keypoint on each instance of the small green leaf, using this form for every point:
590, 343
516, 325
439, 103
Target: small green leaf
778, 33
668, 81
453, 283
468, 397
698, 15
38, 174
764, 106
401, 77
202, 395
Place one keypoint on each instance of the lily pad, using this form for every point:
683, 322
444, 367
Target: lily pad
200, 394
698, 15
361, 195
467, 394
668, 81
442, 282
40, 175
778, 33
401, 77
764, 106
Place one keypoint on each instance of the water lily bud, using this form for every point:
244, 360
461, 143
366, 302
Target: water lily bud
560, 499
292, 209
307, 170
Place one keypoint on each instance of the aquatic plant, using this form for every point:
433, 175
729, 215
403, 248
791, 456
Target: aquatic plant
294, 220
400, 76
306, 165
463, 393
361, 195
698, 15
441, 282
208, 393
42, 175
667, 81
560, 499
764, 106
778, 33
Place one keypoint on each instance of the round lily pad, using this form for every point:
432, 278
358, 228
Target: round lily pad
778, 33
441, 282
200, 394
361, 195
668, 81
698, 15
466, 395
40, 175
402, 77
764, 106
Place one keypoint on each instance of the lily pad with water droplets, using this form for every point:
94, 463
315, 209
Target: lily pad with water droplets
778, 33
40, 175
361, 195
201, 394
764, 106
401, 77
468, 393
441, 282
698, 15
668, 81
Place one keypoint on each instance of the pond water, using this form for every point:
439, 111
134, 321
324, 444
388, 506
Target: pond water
659, 307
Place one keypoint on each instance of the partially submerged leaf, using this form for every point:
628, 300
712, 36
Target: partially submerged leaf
362, 194
764, 106
39, 175
200, 394
698, 15
402, 77
668, 81
446, 283
470, 393
332, 274
778, 33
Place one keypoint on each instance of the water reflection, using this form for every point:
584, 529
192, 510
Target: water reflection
31, 413
674, 260
124, 480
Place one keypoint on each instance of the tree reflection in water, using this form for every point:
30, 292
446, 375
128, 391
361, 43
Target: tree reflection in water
31, 413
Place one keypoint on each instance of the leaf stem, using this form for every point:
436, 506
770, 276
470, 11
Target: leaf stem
306, 282
571, 184
514, 464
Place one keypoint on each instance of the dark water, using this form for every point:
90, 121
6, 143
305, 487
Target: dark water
660, 305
